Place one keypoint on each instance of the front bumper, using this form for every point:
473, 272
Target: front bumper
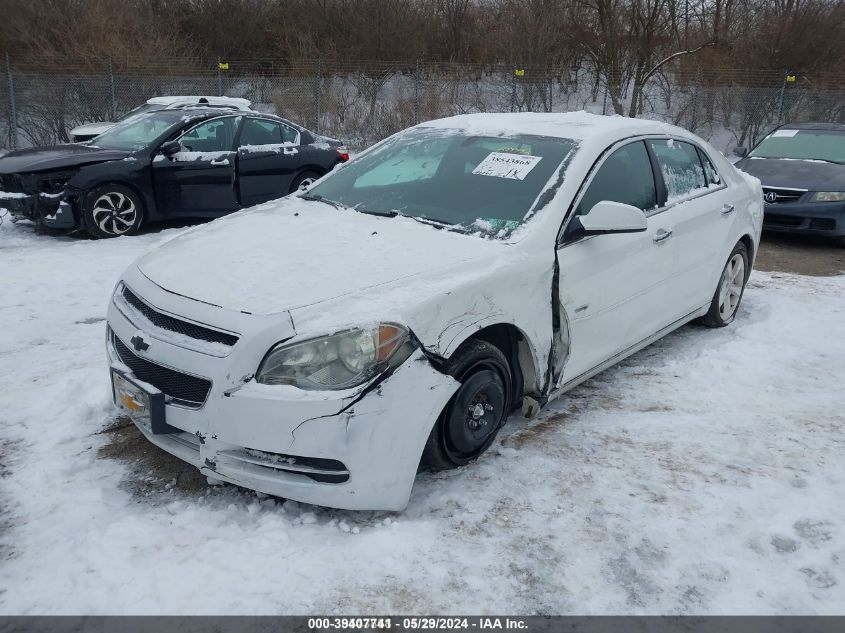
809, 218
50, 210
357, 449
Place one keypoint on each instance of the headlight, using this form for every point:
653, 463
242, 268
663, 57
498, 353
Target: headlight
340, 361
828, 196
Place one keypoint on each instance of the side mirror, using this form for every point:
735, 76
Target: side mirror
740, 151
613, 217
169, 148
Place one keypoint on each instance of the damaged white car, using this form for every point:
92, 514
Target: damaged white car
325, 346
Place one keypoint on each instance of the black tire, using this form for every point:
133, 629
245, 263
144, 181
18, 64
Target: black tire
302, 180
111, 211
724, 306
473, 416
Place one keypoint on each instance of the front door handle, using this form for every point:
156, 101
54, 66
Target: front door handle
662, 235
220, 161
727, 209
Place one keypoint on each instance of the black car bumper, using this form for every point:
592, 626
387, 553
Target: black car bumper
809, 218
54, 211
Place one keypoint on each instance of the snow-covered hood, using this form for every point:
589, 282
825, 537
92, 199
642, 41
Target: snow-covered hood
294, 253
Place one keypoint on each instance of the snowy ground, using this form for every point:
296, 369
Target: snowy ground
704, 475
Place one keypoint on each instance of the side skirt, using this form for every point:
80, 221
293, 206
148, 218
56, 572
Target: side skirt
613, 360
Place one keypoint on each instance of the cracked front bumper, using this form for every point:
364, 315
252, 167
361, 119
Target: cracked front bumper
376, 444
51, 212
354, 450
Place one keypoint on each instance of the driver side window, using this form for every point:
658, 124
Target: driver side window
216, 135
624, 177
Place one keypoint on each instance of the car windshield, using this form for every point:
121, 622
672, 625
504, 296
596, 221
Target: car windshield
139, 131
146, 107
486, 184
825, 145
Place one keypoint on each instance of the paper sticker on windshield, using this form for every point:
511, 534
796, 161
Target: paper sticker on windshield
783, 133
501, 165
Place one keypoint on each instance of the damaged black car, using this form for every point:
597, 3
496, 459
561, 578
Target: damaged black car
169, 164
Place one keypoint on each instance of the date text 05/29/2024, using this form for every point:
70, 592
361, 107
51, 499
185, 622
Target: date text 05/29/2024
418, 623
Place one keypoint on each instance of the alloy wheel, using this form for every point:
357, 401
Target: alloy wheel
730, 287
114, 213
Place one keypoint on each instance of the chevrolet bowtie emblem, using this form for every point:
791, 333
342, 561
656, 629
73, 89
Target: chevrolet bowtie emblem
139, 344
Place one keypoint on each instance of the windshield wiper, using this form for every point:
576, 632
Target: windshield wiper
383, 214
427, 220
316, 197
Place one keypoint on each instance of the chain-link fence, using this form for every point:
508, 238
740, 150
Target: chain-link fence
362, 102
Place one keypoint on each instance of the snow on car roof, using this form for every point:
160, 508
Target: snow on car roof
170, 100
571, 125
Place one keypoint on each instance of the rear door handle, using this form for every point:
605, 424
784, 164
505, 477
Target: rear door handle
727, 209
220, 161
662, 235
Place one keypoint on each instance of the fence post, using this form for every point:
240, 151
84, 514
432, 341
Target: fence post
13, 115
113, 94
604, 101
417, 79
318, 80
780, 99
219, 78
513, 89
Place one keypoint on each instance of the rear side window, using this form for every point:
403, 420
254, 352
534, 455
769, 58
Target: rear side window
713, 177
624, 177
680, 167
263, 132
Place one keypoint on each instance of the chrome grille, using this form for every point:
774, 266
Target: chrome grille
190, 391
781, 195
167, 322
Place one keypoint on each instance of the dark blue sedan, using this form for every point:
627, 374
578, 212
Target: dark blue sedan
802, 169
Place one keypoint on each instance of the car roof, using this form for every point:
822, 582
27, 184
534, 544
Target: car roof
568, 125
199, 112
810, 125
236, 102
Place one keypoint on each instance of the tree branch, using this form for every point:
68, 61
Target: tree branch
666, 60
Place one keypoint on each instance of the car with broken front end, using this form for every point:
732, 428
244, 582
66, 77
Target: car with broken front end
325, 347
169, 164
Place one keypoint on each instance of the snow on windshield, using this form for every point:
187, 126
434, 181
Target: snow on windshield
474, 184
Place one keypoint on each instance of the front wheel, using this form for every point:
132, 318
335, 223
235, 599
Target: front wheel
725, 303
473, 416
112, 210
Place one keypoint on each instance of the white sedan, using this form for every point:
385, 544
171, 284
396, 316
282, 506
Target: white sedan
325, 346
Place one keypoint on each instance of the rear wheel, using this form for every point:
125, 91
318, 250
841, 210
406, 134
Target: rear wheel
303, 181
112, 210
479, 408
729, 292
